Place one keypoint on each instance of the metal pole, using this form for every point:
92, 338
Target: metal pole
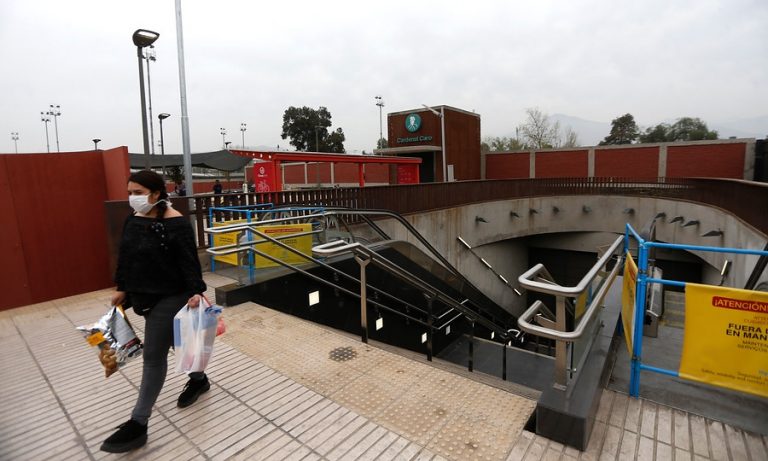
363, 298
442, 142
56, 112
15, 137
504, 361
183, 97
471, 364
46, 120
140, 56
162, 147
381, 127
561, 348
637, 340
150, 57
430, 321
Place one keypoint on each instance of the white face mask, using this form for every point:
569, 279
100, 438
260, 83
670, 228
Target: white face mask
140, 203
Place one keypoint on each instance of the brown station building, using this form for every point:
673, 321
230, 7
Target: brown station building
446, 139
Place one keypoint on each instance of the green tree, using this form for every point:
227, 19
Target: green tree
624, 130
382, 143
308, 130
690, 129
656, 133
501, 144
684, 129
334, 142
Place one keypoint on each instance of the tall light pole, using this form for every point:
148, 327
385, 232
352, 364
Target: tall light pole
15, 137
149, 55
46, 120
55, 111
162, 117
223, 137
242, 130
96, 142
380, 103
441, 114
142, 38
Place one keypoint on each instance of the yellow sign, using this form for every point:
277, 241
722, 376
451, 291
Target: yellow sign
726, 338
227, 238
301, 243
628, 301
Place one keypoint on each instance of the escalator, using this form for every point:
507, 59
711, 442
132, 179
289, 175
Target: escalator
415, 299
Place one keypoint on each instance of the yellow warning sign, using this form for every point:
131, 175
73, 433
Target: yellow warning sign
301, 243
227, 238
628, 301
726, 338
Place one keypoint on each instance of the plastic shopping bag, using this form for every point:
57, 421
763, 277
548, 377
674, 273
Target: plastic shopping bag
194, 330
114, 336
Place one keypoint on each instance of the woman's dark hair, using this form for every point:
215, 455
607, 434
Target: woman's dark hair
155, 183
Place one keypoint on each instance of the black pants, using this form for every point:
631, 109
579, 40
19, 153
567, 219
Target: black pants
158, 339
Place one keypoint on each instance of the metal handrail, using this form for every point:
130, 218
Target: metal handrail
337, 247
578, 331
526, 279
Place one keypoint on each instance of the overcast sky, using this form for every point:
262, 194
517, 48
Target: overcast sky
247, 61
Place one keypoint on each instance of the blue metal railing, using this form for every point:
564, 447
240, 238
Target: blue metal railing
643, 280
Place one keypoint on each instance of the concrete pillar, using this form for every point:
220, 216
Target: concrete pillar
662, 161
532, 165
591, 163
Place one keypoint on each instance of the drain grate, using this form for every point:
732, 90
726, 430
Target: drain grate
342, 354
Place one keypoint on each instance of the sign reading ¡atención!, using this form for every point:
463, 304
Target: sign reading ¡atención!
302, 243
628, 301
726, 338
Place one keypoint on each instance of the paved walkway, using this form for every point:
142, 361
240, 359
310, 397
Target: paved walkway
283, 388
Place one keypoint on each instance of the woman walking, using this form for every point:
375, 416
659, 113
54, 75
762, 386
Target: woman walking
158, 271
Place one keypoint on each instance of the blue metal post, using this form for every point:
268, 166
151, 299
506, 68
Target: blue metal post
249, 236
637, 340
210, 239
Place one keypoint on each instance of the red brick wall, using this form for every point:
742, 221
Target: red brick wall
507, 166
638, 162
562, 163
713, 161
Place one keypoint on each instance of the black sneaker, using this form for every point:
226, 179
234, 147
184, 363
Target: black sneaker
192, 390
130, 435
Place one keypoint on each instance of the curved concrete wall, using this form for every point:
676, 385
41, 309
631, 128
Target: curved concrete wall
596, 220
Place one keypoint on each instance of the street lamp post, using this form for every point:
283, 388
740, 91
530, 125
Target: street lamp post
242, 130
150, 56
55, 111
162, 117
46, 120
15, 137
96, 142
223, 137
441, 114
142, 38
380, 103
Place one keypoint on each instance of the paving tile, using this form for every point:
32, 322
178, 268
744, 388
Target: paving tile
717, 442
635, 412
699, 435
681, 430
628, 447
756, 446
521, 446
645, 449
663, 452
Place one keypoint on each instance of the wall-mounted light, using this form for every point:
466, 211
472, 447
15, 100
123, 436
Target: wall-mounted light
480, 219
677, 219
517, 292
555, 210
379, 323
726, 268
464, 242
533, 211
629, 211
513, 214
586, 209
692, 222
713, 233
660, 215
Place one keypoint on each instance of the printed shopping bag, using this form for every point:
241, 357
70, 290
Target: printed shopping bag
194, 331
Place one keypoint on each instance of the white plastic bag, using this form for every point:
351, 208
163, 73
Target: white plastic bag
193, 333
